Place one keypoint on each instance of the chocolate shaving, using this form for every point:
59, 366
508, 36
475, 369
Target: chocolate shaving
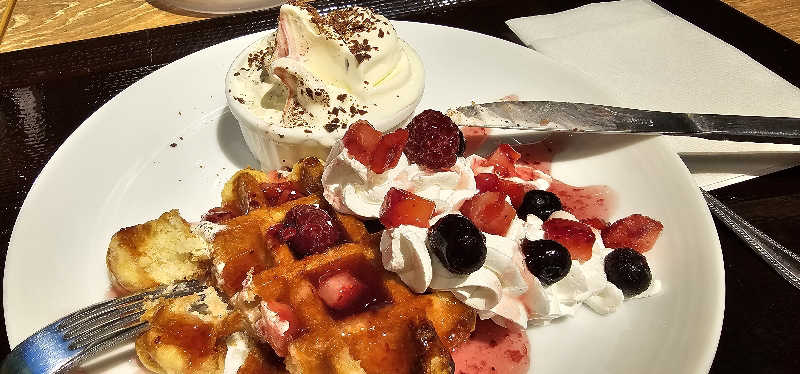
331, 126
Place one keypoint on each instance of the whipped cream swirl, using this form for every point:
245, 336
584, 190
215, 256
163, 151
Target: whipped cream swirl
448, 189
403, 251
352, 188
502, 289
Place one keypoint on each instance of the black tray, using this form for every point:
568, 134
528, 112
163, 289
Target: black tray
47, 92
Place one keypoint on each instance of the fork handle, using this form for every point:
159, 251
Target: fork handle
781, 259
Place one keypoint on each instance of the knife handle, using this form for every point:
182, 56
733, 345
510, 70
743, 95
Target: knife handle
746, 128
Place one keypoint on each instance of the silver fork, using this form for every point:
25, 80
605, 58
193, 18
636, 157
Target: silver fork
782, 260
67, 342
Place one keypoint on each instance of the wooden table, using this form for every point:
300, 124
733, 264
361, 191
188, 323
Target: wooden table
46, 93
36, 23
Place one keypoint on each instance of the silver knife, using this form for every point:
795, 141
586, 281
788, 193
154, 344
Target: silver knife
563, 116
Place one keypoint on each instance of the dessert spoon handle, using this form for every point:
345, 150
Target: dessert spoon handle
784, 261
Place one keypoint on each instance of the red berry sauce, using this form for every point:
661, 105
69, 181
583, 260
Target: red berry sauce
585, 202
493, 349
475, 137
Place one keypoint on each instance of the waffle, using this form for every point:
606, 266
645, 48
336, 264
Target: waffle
192, 334
392, 330
157, 252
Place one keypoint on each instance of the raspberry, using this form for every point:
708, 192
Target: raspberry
434, 140
308, 230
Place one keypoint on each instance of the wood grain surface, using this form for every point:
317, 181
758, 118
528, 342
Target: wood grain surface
36, 23
782, 16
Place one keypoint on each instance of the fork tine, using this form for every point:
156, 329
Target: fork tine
91, 334
92, 312
104, 343
76, 337
79, 328
86, 343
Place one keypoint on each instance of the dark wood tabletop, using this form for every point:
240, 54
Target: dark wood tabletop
47, 92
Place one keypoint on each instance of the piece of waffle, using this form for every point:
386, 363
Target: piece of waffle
389, 330
194, 334
158, 252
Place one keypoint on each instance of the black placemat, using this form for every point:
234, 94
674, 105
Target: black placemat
46, 92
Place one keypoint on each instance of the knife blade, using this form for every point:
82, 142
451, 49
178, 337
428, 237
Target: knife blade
576, 117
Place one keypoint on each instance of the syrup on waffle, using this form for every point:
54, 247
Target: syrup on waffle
384, 328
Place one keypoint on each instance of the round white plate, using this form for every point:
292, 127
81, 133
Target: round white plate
119, 169
221, 6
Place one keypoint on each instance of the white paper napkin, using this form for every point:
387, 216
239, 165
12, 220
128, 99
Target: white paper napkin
652, 59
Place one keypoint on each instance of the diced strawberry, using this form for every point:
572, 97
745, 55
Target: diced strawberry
490, 212
515, 191
360, 141
371, 148
281, 192
636, 232
486, 182
219, 214
388, 151
401, 207
597, 223
503, 159
278, 325
577, 237
341, 290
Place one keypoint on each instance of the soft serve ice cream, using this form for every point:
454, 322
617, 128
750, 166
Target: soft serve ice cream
296, 91
411, 198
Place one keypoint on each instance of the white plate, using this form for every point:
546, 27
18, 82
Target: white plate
222, 6
118, 169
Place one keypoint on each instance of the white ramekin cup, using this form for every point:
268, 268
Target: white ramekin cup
274, 152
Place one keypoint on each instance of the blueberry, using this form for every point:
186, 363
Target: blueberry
628, 270
539, 203
547, 260
462, 144
458, 244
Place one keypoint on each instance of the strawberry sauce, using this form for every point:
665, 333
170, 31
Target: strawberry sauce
538, 155
583, 202
493, 349
475, 137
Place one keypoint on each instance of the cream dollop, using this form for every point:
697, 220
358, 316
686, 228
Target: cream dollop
352, 188
236, 354
403, 251
585, 283
448, 189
